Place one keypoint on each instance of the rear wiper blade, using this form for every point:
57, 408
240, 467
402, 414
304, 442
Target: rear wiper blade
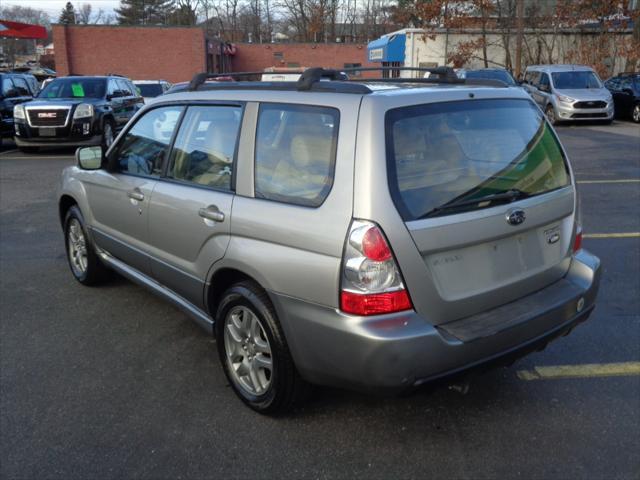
510, 195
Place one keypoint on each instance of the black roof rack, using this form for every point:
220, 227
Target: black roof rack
315, 79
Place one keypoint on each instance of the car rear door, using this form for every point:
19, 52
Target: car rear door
459, 261
119, 196
190, 209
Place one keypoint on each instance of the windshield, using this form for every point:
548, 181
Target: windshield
575, 80
74, 88
492, 75
468, 150
149, 89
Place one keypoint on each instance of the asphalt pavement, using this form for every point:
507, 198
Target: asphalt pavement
112, 382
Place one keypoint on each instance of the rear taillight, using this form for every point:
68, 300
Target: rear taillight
371, 280
577, 242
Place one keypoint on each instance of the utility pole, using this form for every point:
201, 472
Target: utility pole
519, 35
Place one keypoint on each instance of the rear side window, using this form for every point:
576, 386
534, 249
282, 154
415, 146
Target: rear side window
295, 153
467, 151
205, 147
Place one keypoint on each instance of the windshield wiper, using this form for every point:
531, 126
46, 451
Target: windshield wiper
510, 195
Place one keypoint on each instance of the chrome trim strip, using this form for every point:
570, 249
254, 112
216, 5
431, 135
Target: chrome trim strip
200, 317
52, 107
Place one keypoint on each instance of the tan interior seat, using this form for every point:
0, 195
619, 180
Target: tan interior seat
306, 173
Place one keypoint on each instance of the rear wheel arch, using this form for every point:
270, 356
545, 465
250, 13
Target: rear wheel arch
220, 282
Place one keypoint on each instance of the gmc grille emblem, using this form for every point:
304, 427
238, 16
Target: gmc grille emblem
46, 115
516, 217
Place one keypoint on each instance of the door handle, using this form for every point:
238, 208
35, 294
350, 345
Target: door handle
136, 194
211, 213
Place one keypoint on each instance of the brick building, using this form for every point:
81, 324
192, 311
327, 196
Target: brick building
177, 53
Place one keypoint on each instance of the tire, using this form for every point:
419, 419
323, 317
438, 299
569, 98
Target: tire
254, 353
108, 134
83, 261
550, 113
635, 113
29, 149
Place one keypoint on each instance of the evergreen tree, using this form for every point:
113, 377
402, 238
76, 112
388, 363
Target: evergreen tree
144, 12
68, 15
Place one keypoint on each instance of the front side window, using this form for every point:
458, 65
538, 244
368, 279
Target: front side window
75, 88
575, 80
205, 147
460, 156
143, 149
22, 87
544, 80
295, 153
532, 78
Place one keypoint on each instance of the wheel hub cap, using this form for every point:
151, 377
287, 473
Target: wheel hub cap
247, 350
77, 247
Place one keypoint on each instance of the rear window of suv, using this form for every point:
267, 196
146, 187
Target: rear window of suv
446, 158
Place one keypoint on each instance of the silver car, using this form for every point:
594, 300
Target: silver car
569, 93
362, 235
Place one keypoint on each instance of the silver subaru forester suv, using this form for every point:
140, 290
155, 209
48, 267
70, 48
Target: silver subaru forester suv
369, 234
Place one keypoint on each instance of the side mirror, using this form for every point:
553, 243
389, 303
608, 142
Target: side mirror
628, 91
89, 158
544, 88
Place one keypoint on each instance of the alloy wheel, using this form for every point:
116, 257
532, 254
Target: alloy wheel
636, 114
77, 247
551, 115
247, 351
108, 135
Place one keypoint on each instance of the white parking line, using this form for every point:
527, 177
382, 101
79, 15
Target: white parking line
621, 180
612, 235
589, 370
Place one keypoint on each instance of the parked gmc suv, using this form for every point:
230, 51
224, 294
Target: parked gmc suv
76, 110
370, 235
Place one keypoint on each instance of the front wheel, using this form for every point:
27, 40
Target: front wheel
635, 114
108, 134
551, 115
83, 260
254, 353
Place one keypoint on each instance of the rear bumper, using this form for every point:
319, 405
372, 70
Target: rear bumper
394, 352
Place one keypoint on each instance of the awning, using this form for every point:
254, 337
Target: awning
21, 30
389, 48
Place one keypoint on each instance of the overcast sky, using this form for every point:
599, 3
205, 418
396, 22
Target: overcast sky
53, 7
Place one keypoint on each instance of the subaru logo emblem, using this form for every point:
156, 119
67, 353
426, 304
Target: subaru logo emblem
516, 217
